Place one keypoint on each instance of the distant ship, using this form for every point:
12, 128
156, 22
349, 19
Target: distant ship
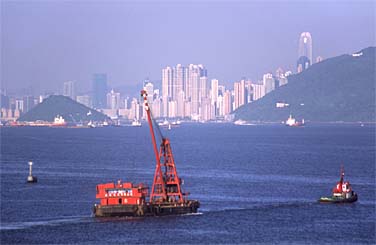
341, 193
59, 121
292, 122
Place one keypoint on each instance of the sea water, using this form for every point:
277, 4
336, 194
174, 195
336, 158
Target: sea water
256, 184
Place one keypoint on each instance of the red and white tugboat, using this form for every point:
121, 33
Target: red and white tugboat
342, 192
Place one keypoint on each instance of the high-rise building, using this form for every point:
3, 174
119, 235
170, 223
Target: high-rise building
227, 102
69, 90
20, 105
149, 88
203, 89
258, 91
172, 109
178, 81
28, 103
269, 83
305, 51
214, 91
194, 84
99, 90
282, 80
134, 113
214, 96
113, 100
167, 76
239, 94
156, 109
248, 92
220, 106
205, 110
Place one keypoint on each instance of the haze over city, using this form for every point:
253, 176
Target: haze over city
45, 43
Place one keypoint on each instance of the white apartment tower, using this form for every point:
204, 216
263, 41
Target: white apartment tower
268, 82
239, 94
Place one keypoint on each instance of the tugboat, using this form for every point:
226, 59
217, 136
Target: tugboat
166, 195
341, 193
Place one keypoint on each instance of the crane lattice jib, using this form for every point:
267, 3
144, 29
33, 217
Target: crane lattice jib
166, 184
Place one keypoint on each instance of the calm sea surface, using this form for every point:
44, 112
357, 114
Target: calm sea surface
256, 184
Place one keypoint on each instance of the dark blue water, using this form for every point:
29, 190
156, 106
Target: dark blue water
256, 184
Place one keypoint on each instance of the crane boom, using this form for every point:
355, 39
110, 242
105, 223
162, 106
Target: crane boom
167, 184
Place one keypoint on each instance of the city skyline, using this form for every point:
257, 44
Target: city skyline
222, 35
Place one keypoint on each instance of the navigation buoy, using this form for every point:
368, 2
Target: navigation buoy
31, 178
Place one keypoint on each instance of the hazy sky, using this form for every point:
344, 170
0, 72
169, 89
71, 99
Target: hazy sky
44, 43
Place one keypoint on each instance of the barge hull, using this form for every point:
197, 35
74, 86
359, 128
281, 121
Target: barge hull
162, 209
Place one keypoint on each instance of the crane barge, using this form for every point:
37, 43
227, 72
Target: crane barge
166, 197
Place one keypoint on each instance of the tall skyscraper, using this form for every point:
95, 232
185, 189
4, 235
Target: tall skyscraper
178, 81
239, 94
227, 103
305, 51
214, 91
99, 90
167, 76
69, 89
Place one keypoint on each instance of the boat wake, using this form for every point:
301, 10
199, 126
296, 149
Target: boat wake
192, 214
53, 222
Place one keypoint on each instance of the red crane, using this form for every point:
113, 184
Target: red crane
166, 184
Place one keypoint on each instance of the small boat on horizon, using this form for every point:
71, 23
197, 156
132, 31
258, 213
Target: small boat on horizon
292, 122
341, 193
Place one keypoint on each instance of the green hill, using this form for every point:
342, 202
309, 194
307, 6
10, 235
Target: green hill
337, 89
69, 109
